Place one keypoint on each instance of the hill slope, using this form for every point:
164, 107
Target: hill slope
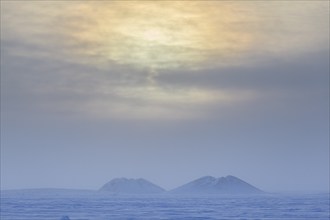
131, 186
212, 185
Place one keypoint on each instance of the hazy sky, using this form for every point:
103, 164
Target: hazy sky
169, 91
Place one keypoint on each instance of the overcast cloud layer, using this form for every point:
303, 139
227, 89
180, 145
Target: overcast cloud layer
168, 91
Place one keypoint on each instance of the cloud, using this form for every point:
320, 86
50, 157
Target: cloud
128, 62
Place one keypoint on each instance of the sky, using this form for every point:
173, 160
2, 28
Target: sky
169, 91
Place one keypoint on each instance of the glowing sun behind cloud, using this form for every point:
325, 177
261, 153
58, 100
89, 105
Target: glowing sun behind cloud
160, 35
156, 38
116, 54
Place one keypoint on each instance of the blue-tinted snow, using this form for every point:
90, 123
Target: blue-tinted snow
97, 206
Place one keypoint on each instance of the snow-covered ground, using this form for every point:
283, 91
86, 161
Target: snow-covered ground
88, 205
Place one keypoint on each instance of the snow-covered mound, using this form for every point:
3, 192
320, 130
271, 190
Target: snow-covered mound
212, 185
131, 186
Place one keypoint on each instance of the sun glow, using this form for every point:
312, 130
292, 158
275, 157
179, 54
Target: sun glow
148, 58
125, 47
155, 35
160, 35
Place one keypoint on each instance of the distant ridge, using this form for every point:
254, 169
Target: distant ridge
212, 185
131, 186
123, 186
